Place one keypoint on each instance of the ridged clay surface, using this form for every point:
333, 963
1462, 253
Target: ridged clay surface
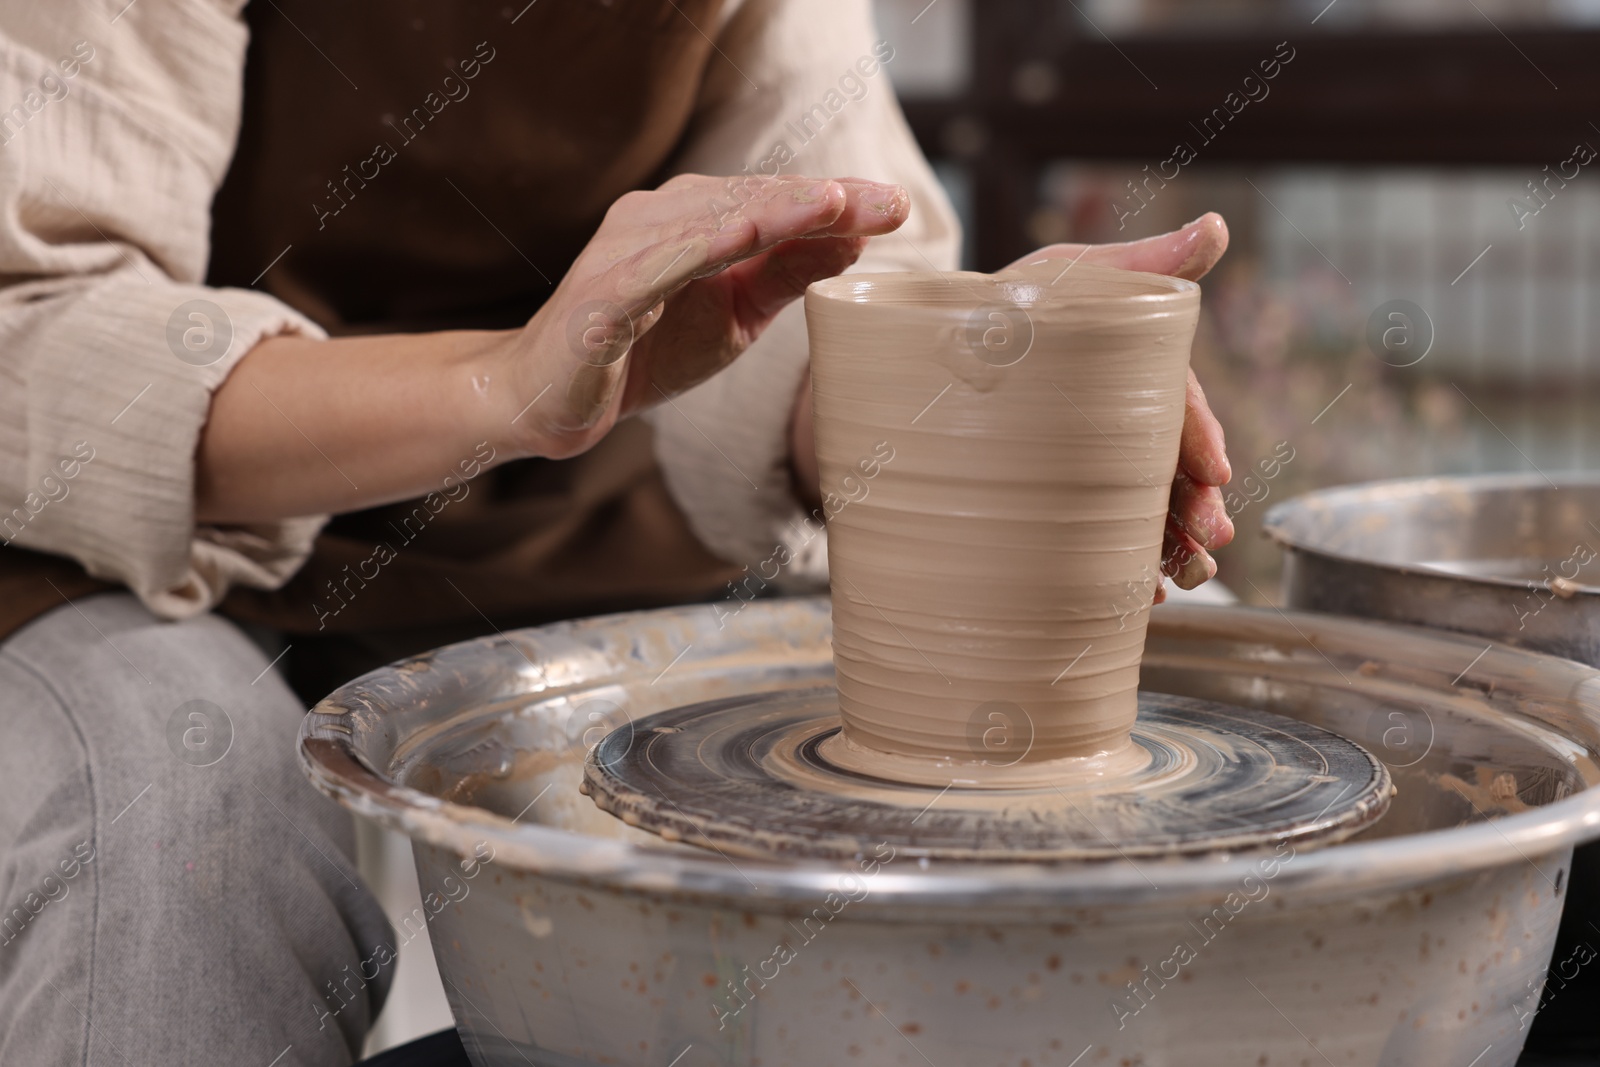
992, 582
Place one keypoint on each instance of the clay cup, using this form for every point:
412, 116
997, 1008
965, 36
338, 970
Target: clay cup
997, 453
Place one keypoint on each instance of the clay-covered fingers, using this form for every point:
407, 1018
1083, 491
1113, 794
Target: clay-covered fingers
1203, 449
1183, 559
870, 209
787, 209
1188, 252
1198, 517
1200, 512
703, 225
1197, 520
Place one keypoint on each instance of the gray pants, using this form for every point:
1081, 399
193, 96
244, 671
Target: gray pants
173, 890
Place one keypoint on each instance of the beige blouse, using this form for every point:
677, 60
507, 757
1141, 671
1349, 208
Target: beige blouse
117, 124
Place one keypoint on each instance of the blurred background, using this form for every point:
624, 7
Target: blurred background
1415, 225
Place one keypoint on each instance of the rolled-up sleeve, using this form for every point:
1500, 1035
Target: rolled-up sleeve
110, 346
791, 94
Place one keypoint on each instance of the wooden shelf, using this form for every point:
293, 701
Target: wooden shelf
1345, 98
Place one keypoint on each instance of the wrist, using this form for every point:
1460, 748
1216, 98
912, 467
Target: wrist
508, 399
555, 405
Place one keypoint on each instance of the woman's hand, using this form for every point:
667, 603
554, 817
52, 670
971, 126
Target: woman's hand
674, 285
1198, 519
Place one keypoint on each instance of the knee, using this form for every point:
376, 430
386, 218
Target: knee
205, 831
123, 673
187, 709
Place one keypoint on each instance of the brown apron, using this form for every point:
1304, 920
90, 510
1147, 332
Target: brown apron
434, 165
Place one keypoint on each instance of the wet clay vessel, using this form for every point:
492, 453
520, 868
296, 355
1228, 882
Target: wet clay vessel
998, 452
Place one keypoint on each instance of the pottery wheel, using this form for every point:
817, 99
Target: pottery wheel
751, 776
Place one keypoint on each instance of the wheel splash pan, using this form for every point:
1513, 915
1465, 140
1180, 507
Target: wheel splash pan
566, 937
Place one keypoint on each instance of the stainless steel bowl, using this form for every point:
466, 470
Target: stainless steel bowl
1509, 557
566, 938
1513, 557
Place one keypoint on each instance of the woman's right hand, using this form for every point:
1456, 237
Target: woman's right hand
672, 287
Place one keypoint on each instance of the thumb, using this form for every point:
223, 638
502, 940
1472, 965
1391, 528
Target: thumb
1184, 253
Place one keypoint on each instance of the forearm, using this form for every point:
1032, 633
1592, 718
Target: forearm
304, 427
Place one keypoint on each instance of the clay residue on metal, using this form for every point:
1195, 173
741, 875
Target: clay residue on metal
998, 572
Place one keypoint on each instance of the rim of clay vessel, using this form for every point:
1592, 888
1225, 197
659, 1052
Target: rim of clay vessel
434, 681
1043, 285
1283, 520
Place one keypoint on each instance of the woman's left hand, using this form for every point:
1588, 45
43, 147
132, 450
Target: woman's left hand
1197, 519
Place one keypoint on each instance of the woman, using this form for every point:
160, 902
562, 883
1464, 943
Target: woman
453, 247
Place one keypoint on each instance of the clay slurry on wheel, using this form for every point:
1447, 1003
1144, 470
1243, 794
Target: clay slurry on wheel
750, 776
